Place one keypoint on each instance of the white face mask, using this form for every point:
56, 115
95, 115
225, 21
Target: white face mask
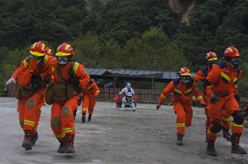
185, 81
63, 60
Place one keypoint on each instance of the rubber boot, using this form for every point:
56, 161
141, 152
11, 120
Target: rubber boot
226, 135
83, 118
62, 146
236, 148
27, 143
210, 148
89, 118
35, 138
69, 143
179, 139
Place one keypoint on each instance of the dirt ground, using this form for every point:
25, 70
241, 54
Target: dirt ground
114, 137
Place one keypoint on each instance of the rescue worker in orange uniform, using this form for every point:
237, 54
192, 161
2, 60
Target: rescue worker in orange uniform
32, 78
181, 89
15, 75
212, 60
221, 88
69, 78
89, 101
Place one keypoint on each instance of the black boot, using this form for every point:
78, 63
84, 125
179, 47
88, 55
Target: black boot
27, 143
206, 138
35, 138
62, 145
236, 148
83, 118
179, 139
210, 148
89, 118
226, 135
70, 143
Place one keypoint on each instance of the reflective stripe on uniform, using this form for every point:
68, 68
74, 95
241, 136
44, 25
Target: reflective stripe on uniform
237, 125
178, 91
76, 67
199, 97
225, 119
188, 91
25, 63
84, 109
225, 76
60, 136
163, 96
31, 123
212, 134
68, 130
181, 125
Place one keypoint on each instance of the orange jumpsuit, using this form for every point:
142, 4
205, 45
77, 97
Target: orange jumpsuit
29, 107
223, 79
181, 99
90, 94
201, 75
16, 73
62, 122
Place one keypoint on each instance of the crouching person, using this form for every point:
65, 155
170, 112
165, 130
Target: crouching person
69, 79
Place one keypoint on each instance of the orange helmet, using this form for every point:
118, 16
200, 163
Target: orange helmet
184, 72
49, 52
65, 49
38, 49
211, 56
231, 52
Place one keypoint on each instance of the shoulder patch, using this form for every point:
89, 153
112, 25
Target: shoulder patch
176, 81
204, 69
222, 65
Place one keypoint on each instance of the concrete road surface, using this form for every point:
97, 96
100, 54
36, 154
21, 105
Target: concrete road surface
114, 137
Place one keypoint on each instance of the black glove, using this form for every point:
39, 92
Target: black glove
237, 97
214, 99
35, 80
203, 104
74, 80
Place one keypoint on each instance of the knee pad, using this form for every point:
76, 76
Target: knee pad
30, 103
238, 117
65, 111
216, 128
55, 122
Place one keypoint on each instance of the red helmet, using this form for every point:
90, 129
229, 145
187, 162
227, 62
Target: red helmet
38, 49
65, 49
211, 56
231, 52
49, 52
184, 72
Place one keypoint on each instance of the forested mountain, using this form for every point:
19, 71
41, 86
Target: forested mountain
136, 34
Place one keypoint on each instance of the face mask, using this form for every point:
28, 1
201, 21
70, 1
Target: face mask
184, 81
63, 62
234, 61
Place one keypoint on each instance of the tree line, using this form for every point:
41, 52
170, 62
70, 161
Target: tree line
135, 34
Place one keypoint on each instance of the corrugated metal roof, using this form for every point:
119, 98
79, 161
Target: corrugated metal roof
130, 74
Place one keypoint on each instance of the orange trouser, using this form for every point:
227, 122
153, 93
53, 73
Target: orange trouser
229, 104
184, 115
89, 102
29, 109
62, 117
225, 118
